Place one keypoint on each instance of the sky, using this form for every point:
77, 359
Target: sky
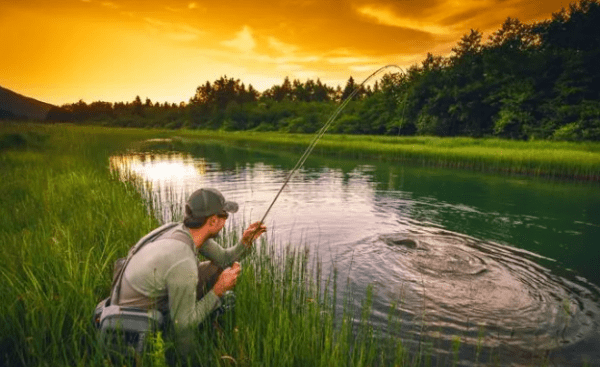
63, 51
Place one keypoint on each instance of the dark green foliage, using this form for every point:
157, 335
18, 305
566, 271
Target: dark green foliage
17, 140
58, 114
527, 81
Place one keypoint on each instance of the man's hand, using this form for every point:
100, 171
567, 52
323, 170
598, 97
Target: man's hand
227, 279
253, 232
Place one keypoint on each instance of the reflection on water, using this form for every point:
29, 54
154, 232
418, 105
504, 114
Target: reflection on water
156, 168
471, 257
168, 177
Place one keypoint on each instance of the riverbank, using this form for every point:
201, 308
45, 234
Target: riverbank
549, 159
571, 161
66, 219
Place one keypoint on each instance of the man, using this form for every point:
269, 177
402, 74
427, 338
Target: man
165, 274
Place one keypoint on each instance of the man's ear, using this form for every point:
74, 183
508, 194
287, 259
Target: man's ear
212, 220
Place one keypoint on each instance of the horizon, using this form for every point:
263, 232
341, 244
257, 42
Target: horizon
64, 51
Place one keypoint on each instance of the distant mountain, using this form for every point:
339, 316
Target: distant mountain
16, 106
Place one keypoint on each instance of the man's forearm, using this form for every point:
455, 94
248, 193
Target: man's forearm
220, 256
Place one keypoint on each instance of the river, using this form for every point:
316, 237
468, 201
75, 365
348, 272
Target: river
508, 264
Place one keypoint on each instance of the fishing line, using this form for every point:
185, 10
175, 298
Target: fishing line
319, 134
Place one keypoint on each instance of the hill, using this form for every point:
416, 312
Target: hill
16, 106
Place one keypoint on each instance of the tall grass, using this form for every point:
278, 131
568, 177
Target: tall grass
579, 161
542, 158
64, 222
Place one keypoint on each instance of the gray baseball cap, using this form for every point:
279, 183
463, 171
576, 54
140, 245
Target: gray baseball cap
206, 202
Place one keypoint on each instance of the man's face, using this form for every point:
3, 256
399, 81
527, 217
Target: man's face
220, 220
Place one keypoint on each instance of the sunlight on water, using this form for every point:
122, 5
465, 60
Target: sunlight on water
302, 214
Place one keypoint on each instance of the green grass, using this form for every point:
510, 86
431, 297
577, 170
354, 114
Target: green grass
540, 158
568, 160
66, 219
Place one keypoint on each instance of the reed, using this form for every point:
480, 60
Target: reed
64, 222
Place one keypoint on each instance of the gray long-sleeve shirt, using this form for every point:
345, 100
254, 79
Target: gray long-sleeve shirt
164, 274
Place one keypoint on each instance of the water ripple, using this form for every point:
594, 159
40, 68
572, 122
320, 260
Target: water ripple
458, 284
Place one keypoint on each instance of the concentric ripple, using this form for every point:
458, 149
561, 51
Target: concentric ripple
457, 285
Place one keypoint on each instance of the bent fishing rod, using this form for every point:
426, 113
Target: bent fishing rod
319, 134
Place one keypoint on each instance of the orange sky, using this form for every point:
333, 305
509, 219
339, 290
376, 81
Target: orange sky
61, 51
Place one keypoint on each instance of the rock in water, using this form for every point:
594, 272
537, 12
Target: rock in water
398, 239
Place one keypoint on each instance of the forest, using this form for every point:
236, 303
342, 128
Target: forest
525, 81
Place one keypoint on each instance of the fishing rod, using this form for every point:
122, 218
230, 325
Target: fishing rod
319, 135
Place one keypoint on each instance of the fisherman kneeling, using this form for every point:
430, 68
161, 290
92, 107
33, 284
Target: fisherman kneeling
162, 272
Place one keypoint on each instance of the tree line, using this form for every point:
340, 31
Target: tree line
526, 81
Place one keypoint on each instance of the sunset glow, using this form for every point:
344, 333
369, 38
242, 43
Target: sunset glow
66, 50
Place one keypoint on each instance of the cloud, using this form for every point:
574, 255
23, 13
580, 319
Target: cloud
282, 47
444, 19
363, 68
174, 31
244, 41
349, 60
306, 74
190, 6
387, 17
109, 4
290, 67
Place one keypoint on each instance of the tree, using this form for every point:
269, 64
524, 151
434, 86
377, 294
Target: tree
203, 94
299, 93
338, 94
137, 106
213, 103
515, 119
321, 92
514, 35
101, 110
251, 95
348, 89
309, 89
280, 93
433, 63
575, 29
469, 45
56, 114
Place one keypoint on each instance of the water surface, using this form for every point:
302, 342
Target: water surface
508, 264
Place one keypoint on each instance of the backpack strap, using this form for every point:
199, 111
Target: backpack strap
179, 236
116, 285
